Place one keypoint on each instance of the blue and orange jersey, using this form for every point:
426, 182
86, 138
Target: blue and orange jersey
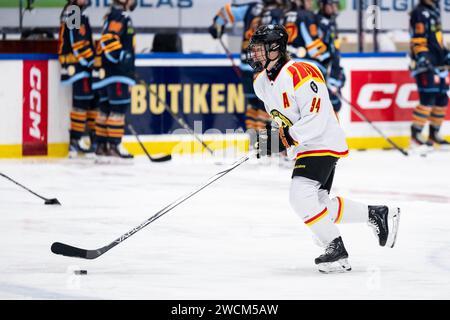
328, 32
76, 49
304, 41
252, 14
117, 46
98, 71
426, 34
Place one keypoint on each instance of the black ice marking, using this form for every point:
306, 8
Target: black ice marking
314, 87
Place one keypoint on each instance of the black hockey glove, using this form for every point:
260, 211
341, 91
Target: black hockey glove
285, 137
216, 30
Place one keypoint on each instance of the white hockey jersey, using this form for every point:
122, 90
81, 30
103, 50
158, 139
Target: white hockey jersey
298, 98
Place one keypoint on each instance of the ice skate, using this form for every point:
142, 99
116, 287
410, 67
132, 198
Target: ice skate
76, 149
334, 259
384, 221
419, 145
437, 141
118, 155
101, 153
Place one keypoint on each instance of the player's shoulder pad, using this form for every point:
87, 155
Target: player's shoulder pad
302, 72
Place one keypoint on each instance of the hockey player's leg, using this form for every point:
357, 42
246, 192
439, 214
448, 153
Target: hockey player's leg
426, 88
344, 210
383, 220
304, 200
82, 100
437, 116
92, 115
101, 128
119, 101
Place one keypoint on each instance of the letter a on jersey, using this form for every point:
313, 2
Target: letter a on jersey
286, 103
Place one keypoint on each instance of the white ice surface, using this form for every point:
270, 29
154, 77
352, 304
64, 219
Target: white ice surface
237, 239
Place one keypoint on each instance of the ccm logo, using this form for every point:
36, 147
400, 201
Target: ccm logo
35, 102
385, 95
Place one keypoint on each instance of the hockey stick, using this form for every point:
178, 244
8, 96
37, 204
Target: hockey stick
162, 159
178, 119
69, 251
228, 53
47, 201
362, 116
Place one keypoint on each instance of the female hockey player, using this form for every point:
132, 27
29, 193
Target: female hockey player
430, 64
296, 96
76, 56
117, 46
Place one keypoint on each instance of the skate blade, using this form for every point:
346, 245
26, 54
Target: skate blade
393, 224
339, 266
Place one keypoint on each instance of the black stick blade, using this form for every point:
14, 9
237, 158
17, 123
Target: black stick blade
162, 159
52, 201
69, 251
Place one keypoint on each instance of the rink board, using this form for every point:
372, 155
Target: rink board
205, 91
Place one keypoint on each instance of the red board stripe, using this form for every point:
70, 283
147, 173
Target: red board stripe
35, 108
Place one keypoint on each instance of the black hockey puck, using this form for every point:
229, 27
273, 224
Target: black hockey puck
80, 272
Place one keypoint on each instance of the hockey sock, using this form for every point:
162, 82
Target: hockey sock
91, 117
101, 128
115, 127
436, 117
304, 199
343, 210
77, 123
420, 115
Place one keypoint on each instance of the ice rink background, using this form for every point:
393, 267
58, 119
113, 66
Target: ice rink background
237, 239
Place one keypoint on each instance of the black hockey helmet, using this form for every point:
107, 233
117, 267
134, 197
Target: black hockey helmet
273, 37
